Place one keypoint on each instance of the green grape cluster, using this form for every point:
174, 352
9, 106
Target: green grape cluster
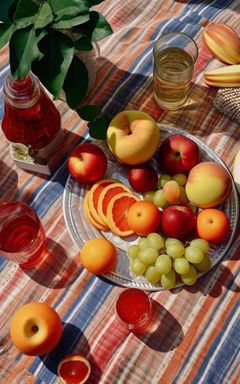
171, 189
168, 261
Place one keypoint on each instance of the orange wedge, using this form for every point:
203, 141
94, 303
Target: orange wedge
90, 217
117, 211
94, 194
106, 196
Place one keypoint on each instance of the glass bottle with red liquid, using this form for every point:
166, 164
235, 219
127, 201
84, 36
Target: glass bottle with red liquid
30, 116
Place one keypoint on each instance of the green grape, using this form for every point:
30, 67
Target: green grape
181, 265
201, 244
155, 240
143, 243
133, 251
152, 275
148, 255
190, 277
163, 264
204, 265
175, 250
159, 199
171, 240
163, 180
180, 178
137, 267
193, 254
148, 196
168, 279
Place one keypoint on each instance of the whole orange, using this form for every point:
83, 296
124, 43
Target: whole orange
35, 329
213, 225
98, 255
144, 217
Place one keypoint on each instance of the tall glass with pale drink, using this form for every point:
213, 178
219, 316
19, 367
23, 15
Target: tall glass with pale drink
174, 56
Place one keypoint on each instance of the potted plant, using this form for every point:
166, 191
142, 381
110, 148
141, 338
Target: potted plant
47, 37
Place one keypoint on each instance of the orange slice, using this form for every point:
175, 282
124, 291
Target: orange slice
117, 211
106, 196
74, 369
89, 217
94, 196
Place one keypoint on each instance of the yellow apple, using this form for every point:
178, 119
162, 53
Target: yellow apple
133, 137
35, 329
208, 184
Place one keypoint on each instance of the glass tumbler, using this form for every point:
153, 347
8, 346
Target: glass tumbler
22, 237
134, 309
174, 57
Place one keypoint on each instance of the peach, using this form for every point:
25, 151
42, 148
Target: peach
133, 137
35, 329
208, 184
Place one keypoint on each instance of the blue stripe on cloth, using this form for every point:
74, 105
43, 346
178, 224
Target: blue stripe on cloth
73, 339
230, 341
228, 352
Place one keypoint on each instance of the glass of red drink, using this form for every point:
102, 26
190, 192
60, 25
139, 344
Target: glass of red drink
134, 309
22, 237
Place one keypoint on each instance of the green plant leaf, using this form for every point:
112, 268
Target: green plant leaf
76, 83
4, 13
96, 28
67, 9
69, 23
26, 13
45, 16
89, 112
58, 51
98, 128
84, 44
6, 31
102, 29
23, 51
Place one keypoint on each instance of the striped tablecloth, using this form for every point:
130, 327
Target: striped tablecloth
195, 335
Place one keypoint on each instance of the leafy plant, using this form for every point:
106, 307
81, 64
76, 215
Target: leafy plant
44, 36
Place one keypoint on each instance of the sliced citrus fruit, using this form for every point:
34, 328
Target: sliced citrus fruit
89, 217
106, 195
94, 196
236, 170
117, 211
74, 369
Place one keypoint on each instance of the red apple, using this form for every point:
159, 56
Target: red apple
87, 163
178, 154
178, 221
143, 178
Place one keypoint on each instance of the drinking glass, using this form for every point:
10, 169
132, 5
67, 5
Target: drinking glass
174, 57
134, 309
22, 237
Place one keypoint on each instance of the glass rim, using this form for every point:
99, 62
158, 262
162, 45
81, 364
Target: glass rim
180, 34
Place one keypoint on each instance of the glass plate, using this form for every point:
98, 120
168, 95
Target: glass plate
81, 230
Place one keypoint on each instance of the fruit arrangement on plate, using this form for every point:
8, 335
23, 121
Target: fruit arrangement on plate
152, 207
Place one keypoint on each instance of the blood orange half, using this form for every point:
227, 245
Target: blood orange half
106, 196
94, 196
117, 211
89, 217
74, 369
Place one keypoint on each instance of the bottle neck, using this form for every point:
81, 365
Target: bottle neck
21, 93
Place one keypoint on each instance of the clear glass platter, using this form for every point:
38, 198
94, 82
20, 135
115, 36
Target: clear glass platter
81, 230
